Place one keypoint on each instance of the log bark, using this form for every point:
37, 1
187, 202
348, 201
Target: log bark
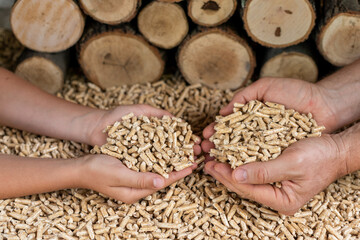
112, 56
45, 70
163, 24
278, 23
111, 11
211, 13
217, 58
47, 25
11, 49
297, 61
338, 38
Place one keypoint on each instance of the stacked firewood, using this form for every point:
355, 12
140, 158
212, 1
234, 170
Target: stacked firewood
214, 42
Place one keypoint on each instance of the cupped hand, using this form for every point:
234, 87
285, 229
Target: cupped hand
304, 169
296, 94
105, 118
109, 176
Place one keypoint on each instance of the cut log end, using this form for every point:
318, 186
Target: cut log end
339, 39
279, 23
41, 72
163, 24
111, 11
46, 25
291, 65
115, 58
216, 59
211, 13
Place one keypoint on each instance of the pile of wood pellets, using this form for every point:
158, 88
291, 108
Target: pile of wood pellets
259, 132
197, 207
150, 144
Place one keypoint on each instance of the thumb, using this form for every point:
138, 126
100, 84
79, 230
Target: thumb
141, 180
264, 172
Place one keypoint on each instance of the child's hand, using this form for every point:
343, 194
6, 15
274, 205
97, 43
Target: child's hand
109, 176
101, 119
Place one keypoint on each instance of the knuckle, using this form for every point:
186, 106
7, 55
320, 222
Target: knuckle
141, 182
262, 175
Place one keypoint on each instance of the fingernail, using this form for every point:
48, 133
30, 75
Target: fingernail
240, 175
158, 182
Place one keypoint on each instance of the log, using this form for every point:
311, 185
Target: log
114, 56
292, 62
47, 25
338, 39
45, 70
210, 13
278, 23
111, 11
217, 58
163, 24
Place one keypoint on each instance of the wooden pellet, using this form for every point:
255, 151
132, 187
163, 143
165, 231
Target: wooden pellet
80, 207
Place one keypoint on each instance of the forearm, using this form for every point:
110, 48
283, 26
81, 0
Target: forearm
342, 93
20, 176
26, 107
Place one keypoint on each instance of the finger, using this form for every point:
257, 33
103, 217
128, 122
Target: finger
197, 150
266, 194
131, 195
208, 158
209, 131
155, 112
147, 110
276, 170
206, 145
254, 91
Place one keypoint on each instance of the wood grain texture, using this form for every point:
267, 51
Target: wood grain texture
114, 56
45, 70
163, 24
111, 11
338, 37
46, 25
278, 23
217, 58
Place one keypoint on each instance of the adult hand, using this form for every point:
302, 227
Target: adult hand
105, 118
109, 176
304, 169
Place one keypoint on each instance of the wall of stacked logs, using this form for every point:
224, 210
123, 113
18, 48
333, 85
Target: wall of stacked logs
219, 43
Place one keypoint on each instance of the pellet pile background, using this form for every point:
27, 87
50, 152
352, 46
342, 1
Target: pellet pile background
197, 207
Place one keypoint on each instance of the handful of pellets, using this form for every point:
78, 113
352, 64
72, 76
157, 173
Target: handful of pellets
150, 144
259, 132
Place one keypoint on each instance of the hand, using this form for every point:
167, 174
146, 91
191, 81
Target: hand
105, 118
295, 94
304, 169
109, 176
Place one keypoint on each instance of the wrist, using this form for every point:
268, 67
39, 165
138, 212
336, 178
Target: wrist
340, 96
81, 173
347, 143
87, 126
